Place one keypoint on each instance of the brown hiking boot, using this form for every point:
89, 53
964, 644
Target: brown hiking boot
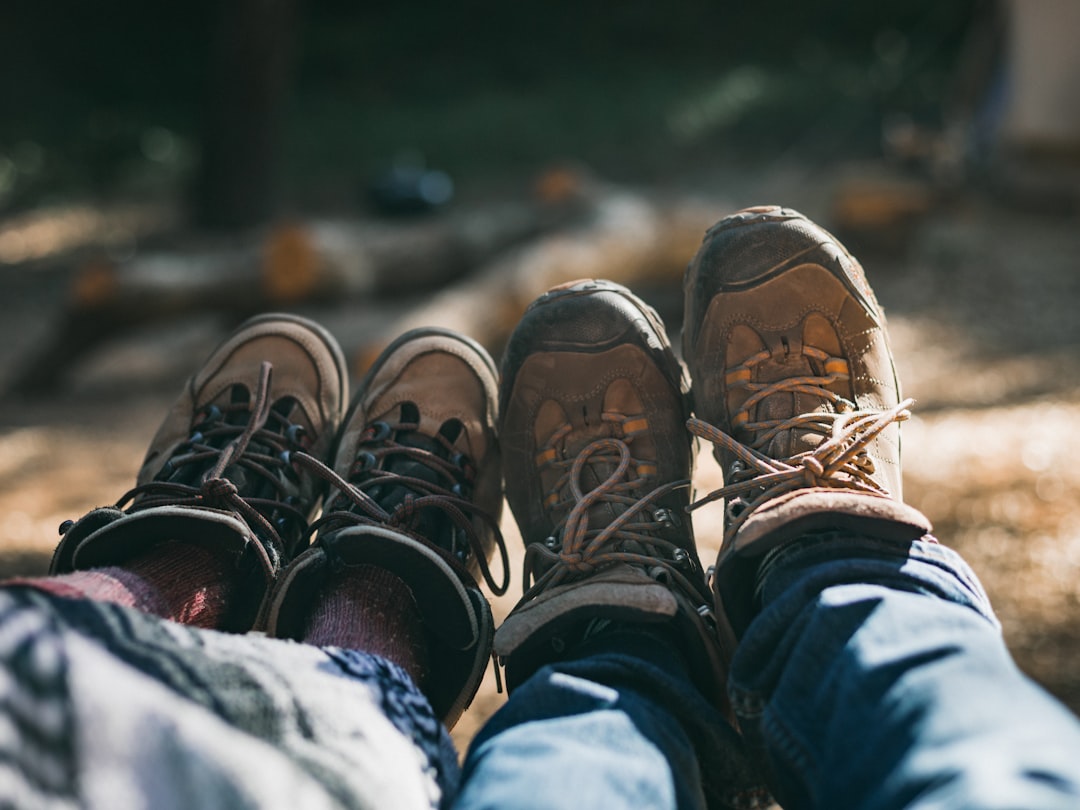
223, 470
597, 461
795, 386
416, 489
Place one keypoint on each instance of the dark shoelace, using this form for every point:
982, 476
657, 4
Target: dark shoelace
429, 500
247, 441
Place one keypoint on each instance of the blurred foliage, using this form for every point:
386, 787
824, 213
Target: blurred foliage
100, 98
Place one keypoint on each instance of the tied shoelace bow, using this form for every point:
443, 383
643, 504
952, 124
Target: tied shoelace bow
353, 505
630, 538
258, 449
839, 461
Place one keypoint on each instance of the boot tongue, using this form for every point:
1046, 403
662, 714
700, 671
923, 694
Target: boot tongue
785, 404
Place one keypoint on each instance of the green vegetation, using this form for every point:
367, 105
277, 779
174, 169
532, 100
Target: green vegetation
484, 89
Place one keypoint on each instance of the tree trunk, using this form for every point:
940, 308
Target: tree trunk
248, 84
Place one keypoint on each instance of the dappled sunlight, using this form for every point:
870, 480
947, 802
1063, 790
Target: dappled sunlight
53, 231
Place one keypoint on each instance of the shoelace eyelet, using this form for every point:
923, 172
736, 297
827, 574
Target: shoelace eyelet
460, 546
660, 574
667, 517
380, 431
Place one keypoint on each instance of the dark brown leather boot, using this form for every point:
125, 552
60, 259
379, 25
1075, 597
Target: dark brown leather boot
794, 384
596, 461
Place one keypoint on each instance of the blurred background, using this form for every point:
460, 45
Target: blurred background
167, 170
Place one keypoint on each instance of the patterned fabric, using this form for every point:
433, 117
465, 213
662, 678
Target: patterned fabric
103, 706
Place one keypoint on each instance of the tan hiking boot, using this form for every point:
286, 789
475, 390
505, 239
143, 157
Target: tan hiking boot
416, 489
596, 462
223, 469
795, 386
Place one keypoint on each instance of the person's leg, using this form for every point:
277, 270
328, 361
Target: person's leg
104, 706
617, 723
876, 676
220, 511
411, 522
612, 657
870, 670
180, 582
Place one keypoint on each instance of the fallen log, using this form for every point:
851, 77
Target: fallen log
289, 265
628, 239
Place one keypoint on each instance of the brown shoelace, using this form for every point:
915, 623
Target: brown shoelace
839, 461
631, 538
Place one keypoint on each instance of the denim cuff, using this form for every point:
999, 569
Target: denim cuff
820, 561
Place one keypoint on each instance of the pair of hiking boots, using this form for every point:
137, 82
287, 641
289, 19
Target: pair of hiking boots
590, 428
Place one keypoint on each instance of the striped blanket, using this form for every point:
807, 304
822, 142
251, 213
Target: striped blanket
106, 707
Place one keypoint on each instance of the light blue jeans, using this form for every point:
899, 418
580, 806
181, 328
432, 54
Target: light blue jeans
617, 725
876, 677
873, 677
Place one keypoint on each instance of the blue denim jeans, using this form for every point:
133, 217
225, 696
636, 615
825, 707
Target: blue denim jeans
617, 725
876, 677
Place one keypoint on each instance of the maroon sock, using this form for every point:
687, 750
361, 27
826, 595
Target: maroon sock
177, 581
368, 608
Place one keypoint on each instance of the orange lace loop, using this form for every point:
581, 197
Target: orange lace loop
836, 370
840, 461
632, 537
